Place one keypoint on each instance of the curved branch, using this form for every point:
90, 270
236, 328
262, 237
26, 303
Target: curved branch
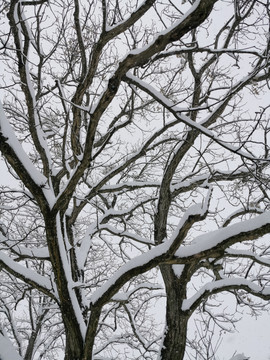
214, 244
218, 286
28, 276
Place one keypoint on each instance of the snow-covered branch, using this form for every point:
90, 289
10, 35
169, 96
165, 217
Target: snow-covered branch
201, 128
225, 285
28, 276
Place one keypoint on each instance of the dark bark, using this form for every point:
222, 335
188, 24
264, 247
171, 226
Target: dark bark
174, 342
74, 338
74, 344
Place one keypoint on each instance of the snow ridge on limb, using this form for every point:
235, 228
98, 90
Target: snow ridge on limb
18, 159
217, 241
126, 23
223, 285
161, 253
240, 357
192, 180
22, 252
259, 259
30, 277
200, 127
101, 224
63, 245
124, 296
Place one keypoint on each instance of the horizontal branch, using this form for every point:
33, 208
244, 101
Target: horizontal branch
258, 259
215, 243
225, 285
192, 181
110, 229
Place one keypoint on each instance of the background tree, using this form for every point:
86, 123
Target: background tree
136, 137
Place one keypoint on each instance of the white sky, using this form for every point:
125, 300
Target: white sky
252, 339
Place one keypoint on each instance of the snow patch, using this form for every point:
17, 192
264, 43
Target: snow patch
239, 357
7, 350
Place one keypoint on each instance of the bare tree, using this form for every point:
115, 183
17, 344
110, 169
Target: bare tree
136, 137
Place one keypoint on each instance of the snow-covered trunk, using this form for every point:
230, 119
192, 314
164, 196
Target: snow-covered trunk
174, 340
69, 305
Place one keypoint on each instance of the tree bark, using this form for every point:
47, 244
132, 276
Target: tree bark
74, 338
74, 344
174, 341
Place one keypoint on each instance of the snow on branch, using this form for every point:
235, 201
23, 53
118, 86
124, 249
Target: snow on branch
161, 253
219, 240
240, 357
23, 252
123, 25
124, 296
224, 285
192, 180
27, 275
259, 259
178, 112
12, 149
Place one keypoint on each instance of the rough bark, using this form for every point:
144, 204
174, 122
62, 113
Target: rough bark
74, 338
174, 341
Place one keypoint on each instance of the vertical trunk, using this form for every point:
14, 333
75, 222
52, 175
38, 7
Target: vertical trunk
74, 341
91, 332
61, 266
174, 342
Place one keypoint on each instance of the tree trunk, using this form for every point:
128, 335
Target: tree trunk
74, 338
74, 343
174, 342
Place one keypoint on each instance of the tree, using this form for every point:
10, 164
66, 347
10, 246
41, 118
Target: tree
136, 136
